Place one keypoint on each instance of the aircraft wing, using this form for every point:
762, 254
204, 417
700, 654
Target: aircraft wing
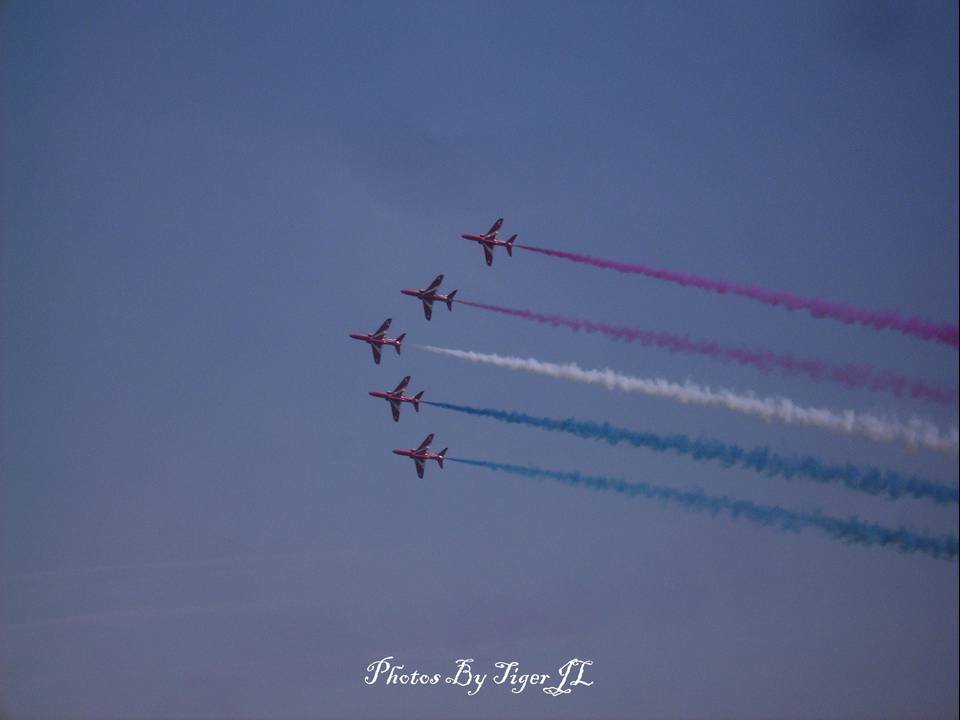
395, 409
428, 309
376, 353
488, 254
419, 463
403, 385
434, 285
379, 332
495, 226
426, 443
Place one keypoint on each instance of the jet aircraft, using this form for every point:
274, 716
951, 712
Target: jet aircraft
429, 295
422, 454
489, 241
378, 339
395, 397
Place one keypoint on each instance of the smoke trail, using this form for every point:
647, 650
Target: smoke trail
868, 480
938, 332
854, 376
915, 433
850, 530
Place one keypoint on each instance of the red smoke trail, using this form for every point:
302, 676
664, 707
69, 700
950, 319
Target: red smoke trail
853, 376
946, 334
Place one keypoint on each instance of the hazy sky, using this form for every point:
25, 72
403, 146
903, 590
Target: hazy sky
200, 515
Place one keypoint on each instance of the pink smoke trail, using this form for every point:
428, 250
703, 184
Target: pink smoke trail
853, 376
944, 333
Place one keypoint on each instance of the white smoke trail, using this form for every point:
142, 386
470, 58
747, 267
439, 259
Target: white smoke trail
914, 433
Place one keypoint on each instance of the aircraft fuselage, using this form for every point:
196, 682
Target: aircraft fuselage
395, 397
431, 296
418, 455
485, 239
374, 341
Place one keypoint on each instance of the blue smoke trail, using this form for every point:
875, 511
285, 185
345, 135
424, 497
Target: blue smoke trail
863, 479
849, 530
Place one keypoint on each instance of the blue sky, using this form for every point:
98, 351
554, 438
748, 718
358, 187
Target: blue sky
199, 513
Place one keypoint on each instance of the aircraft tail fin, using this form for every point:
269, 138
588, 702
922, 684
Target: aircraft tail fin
399, 341
440, 456
416, 401
449, 300
510, 245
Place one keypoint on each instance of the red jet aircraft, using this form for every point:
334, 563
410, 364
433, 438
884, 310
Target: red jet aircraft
378, 339
429, 294
489, 240
422, 454
396, 397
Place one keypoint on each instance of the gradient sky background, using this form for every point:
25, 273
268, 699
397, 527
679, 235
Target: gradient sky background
200, 515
